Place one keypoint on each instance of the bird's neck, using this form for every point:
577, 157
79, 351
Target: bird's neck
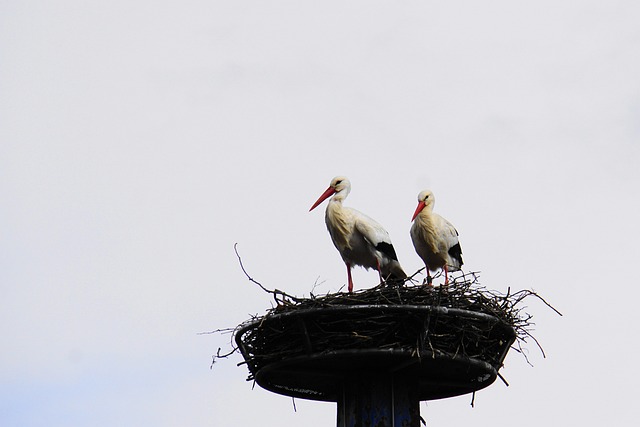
335, 212
337, 223
426, 218
426, 213
339, 196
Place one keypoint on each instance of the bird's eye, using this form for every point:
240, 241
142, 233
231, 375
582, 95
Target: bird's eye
338, 182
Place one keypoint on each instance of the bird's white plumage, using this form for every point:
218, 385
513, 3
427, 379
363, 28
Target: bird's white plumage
434, 238
359, 239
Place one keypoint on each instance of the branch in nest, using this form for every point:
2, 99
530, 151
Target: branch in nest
410, 278
223, 331
222, 356
285, 298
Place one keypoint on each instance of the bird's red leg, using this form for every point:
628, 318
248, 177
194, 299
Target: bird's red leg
446, 275
429, 279
379, 272
349, 277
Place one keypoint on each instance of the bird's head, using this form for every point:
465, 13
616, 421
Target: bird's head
339, 185
425, 200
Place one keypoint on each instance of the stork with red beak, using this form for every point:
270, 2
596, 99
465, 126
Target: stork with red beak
359, 239
435, 238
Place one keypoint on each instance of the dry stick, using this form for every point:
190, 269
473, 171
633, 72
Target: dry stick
221, 356
235, 249
522, 352
410, 278
544, 301
218, 355
537, 343
503, 380
315, 285
224, 330
274, 292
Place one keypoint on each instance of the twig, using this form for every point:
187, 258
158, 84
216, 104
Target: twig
414, 274
503, 380
274, 292
544, 301
235, 248
315, 285
224, 331
221, 356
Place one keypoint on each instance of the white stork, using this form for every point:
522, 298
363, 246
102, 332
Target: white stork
435, 238
359, 239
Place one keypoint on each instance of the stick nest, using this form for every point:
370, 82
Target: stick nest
461, 319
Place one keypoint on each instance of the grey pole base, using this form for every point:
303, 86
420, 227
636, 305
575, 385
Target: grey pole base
378, 400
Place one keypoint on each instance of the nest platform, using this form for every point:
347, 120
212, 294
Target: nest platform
443, 341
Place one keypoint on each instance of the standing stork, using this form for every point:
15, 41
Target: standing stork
359, 239
435, 238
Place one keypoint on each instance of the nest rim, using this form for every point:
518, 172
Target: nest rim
320, 375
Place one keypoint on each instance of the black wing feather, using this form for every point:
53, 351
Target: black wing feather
387, 249
455, 252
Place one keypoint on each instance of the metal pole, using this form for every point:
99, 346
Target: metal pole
381, 400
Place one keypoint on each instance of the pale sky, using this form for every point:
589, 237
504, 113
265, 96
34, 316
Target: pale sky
140, 140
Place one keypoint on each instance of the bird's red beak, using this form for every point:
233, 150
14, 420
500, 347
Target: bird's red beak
421, 206
329, 192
